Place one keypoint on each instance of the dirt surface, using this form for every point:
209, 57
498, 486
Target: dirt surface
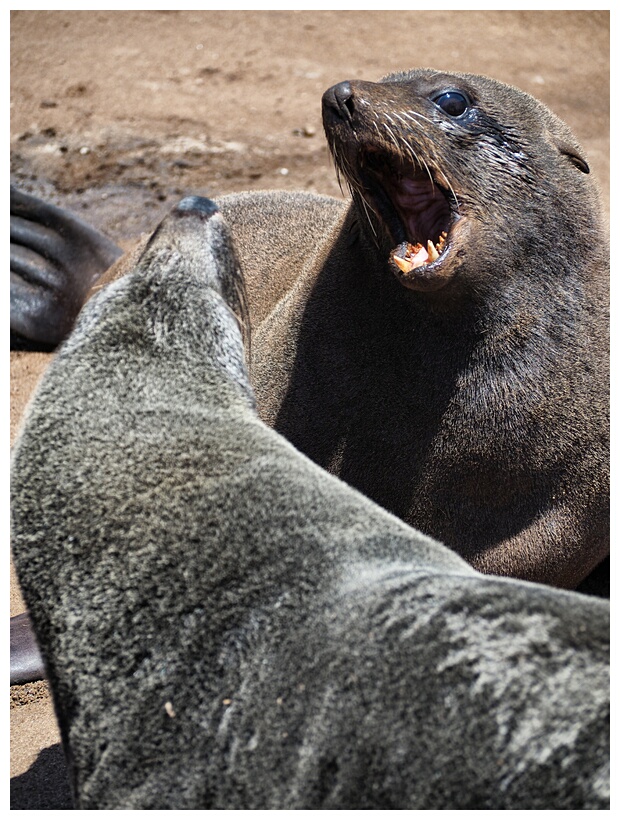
117, 115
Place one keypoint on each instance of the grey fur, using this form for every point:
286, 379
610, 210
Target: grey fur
227, 626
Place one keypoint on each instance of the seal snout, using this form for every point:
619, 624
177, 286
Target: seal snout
194, 244
196, 205
338, 101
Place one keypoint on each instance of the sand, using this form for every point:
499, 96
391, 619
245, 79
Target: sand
117, 115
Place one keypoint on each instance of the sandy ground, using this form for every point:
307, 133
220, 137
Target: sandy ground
117, 115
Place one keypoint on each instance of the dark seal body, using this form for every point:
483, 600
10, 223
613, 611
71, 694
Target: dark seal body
226, 626
55, 259
468, 396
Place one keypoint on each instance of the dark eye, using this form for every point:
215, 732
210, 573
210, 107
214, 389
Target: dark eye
452, 103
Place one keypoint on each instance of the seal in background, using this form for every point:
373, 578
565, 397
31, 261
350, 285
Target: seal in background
467, 394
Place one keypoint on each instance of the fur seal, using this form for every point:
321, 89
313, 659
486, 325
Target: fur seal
467, 395
234, 628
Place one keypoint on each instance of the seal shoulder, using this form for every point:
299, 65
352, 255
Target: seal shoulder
276, 235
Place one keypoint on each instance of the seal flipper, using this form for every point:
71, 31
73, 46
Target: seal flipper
26, 661
55, 260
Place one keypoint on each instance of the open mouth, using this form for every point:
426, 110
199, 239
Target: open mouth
417, 212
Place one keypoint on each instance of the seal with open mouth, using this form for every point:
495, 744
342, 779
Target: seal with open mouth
445, 350
430, 156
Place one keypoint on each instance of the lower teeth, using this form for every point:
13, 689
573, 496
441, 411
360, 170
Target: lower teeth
407, 257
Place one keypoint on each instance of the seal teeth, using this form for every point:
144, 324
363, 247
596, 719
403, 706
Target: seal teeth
416, 256
408, 256
404, 264
433, 253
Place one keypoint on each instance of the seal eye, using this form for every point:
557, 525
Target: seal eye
452, 103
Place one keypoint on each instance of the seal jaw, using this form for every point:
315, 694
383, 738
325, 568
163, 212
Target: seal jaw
427, 268
417, 212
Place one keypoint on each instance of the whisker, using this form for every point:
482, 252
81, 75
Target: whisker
392, 137
405, 142
411, 114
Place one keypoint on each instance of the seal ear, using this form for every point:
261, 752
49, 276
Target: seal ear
573, 155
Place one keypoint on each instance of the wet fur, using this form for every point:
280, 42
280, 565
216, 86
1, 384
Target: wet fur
226, 626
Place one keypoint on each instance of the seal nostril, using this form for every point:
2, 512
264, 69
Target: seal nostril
344, 98
340, 99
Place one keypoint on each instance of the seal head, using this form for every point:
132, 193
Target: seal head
441, 165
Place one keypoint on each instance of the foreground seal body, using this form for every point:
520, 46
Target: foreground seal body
227, 626
468, 395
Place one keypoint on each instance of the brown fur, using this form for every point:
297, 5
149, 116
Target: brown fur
478, 411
